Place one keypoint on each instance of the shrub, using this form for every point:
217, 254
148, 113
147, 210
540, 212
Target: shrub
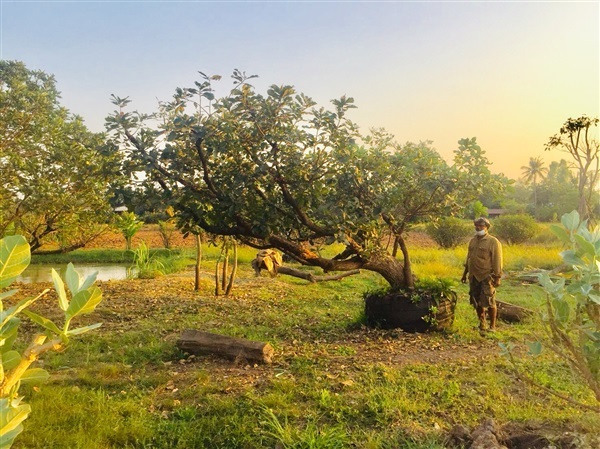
76, 296
145, 265
571, 318
128, 224
515, 229
449, 232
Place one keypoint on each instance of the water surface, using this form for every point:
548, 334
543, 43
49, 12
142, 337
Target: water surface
43, 272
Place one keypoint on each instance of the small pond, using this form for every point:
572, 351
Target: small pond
43, 273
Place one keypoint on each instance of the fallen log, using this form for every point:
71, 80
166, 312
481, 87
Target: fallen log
512, 313
198, 342
312, 278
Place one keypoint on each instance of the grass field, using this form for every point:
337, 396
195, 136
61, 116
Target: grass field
334, 383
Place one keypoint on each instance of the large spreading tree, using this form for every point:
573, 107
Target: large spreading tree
277, 171
56, 174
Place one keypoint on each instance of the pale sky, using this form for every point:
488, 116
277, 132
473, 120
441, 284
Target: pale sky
508, 73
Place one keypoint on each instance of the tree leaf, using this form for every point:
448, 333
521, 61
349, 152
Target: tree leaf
89, 281
586, 246
14, 258
594, 298
11, 418
570, 220
35, 376
9, 334
83, 330
10, 359
59, 286
17, 308
73, 279
42, 321
561, 233
84, 302
569, 257
562, 310
7, 293
535, 348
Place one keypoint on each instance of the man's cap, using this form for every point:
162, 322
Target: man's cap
482, 221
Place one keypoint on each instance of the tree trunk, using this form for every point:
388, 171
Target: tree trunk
407, 268
391, 269
380, 262
198, 261
225, 267
217, 285
233, 270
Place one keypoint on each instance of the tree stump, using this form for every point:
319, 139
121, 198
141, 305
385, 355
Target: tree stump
198, 342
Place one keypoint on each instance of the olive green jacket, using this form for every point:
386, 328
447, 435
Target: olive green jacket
484, 258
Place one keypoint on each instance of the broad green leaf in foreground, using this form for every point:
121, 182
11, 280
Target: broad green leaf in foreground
17, 308
59, 286
83, 330
14, 258
35, 376
84, 302
570, 220
10, 359
561, 233
73, 279
11, 417
44, 322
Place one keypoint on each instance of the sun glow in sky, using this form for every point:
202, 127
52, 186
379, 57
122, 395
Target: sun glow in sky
508, 73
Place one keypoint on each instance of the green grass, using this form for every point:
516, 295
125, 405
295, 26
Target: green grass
103, 256
333, 382
117, 256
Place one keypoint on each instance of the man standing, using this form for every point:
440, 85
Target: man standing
484, 266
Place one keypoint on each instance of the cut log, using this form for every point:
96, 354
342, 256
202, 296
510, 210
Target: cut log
512, 313
198, 342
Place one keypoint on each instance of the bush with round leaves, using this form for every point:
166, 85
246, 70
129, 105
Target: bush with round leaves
515, 229
449, 231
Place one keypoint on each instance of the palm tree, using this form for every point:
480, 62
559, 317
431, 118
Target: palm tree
531, 173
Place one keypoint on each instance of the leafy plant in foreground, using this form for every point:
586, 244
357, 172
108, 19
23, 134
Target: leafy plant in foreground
79, 296
572, 316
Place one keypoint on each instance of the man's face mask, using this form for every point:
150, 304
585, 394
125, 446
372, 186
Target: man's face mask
480, 230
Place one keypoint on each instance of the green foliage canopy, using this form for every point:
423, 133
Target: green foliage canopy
56, 175
277, 171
